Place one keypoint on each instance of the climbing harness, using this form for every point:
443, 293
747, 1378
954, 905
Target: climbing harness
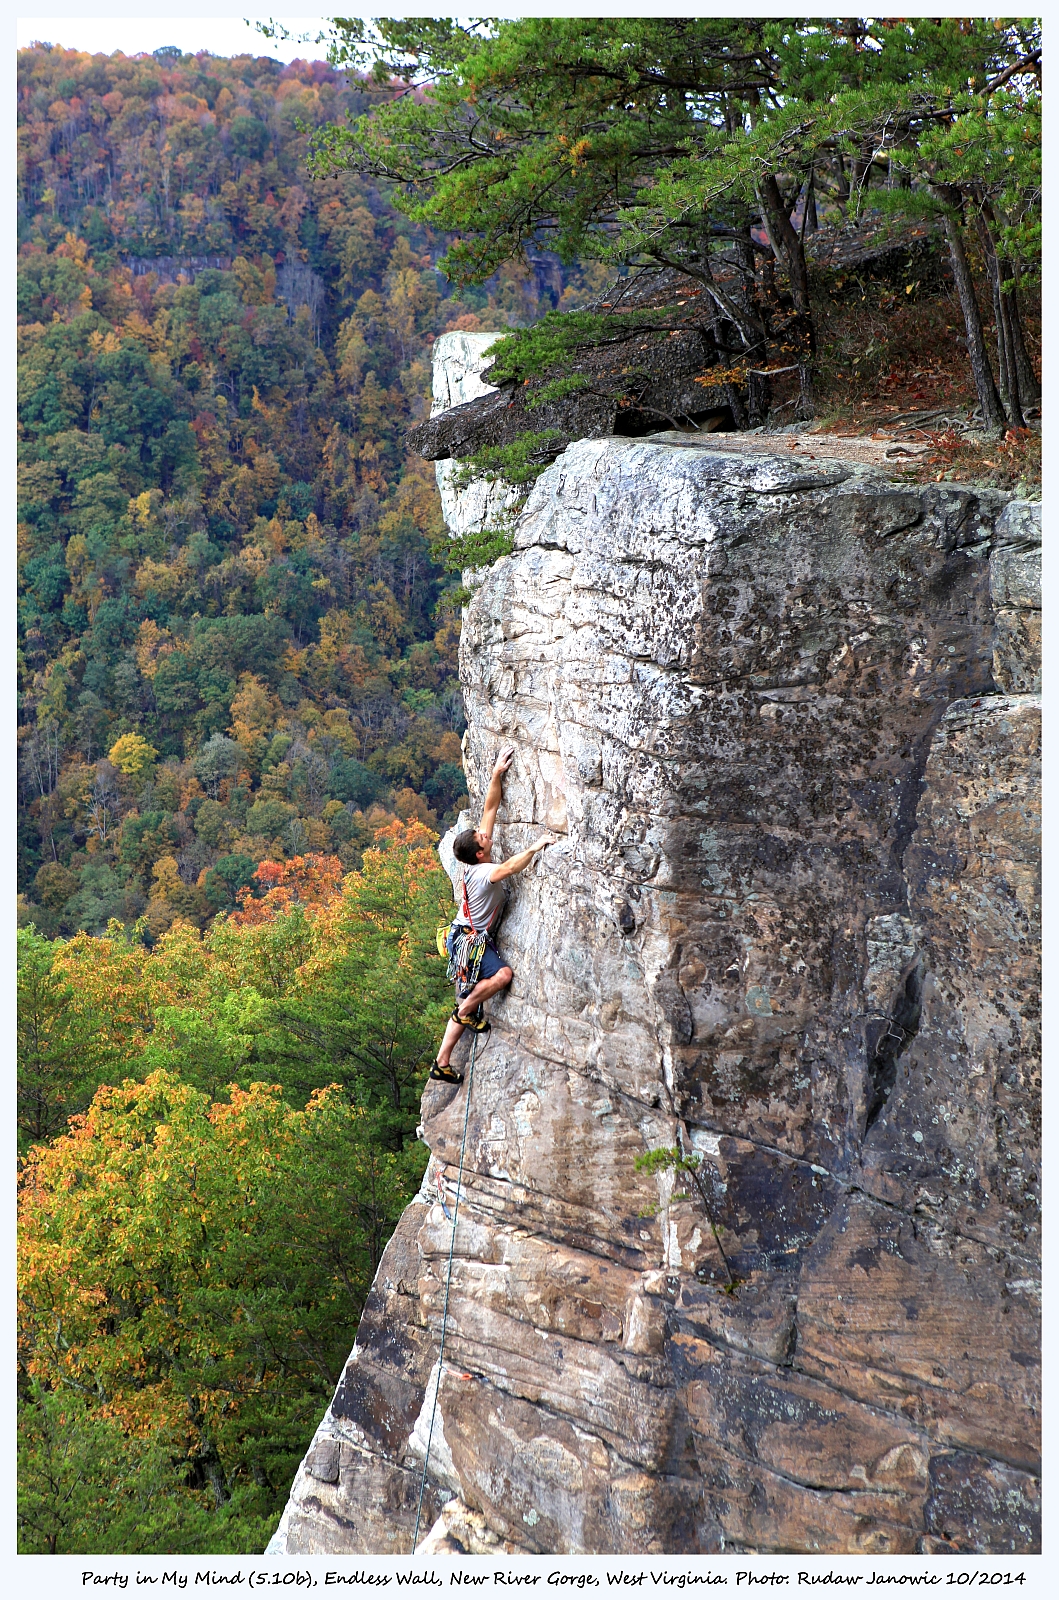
448, 1286
467, 948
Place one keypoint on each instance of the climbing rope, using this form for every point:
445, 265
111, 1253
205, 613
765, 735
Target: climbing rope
448, 1286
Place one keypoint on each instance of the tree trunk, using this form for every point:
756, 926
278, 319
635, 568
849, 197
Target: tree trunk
805, 410
206, 1462
789, 250
745, 257
744, 318
1028, 386
759, 397
786, 246
841, 180
218, 1482
1007, 372
992, 410
736, 406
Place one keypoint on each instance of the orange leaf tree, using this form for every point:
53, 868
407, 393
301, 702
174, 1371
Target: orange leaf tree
197, 1269
303, 880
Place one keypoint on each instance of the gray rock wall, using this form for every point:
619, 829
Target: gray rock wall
458, 360
784, 715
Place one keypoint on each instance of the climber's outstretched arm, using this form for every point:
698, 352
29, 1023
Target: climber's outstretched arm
495, 793
507, 869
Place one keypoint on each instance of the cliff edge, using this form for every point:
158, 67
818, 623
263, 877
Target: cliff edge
785, 714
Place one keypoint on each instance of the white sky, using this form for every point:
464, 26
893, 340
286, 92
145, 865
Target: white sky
226, 36
221, 36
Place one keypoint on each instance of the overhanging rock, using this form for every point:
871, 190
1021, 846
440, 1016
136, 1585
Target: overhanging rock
784, 714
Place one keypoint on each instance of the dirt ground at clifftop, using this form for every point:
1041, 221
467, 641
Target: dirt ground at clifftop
891, 364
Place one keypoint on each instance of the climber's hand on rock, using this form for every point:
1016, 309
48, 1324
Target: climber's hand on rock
495, 793
519, 863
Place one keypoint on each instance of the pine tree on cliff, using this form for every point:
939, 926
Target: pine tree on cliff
705, 144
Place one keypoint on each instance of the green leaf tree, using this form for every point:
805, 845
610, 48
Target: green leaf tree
60, 1053
702, 144
85, 1486
365, 1005
191, 1276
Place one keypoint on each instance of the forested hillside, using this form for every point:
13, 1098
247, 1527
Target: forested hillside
238, 709
236, 643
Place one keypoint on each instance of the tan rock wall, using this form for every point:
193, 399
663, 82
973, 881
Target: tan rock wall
792, 922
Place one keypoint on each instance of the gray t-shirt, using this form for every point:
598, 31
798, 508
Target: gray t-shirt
485, 900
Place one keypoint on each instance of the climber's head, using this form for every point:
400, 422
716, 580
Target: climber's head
472, 847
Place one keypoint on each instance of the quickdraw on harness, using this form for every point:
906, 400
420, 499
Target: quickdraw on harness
467, 949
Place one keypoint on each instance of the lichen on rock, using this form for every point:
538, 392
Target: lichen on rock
782, 713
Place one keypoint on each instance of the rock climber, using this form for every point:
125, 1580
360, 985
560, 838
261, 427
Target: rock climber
475, 964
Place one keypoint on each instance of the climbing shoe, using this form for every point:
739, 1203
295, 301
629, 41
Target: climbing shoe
476, 1022
442, 1074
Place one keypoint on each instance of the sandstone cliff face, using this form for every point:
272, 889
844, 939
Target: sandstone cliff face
784, 714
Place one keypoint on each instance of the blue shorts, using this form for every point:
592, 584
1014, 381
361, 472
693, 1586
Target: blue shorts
492, 960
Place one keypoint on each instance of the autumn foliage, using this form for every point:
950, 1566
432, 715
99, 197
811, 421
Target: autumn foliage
219, 1139
302, 881
199, 1268
236, 645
